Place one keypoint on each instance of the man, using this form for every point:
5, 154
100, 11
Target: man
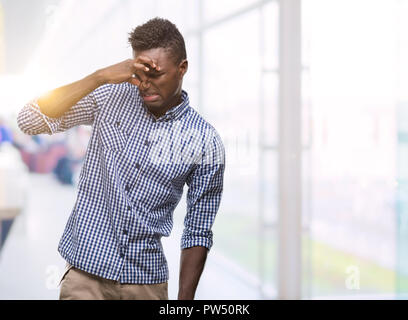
146, 143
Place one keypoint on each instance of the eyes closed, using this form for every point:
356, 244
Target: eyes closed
152, 75
155, 75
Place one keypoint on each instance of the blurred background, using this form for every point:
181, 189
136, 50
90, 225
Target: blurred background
311, 100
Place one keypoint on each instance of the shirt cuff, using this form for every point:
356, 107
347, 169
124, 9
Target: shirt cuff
189, 240
52, 123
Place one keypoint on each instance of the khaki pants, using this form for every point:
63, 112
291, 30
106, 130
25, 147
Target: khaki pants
80, 285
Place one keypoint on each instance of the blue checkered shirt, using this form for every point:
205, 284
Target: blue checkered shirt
132, 179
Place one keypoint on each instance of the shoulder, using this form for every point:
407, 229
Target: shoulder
198, 122
209, 138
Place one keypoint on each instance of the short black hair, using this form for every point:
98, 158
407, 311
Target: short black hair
159, 33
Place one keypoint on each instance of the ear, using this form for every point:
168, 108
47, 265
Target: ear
183, 67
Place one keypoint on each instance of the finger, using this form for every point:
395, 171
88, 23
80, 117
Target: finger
147, 61
152, 63
140, 75
135, 81
139, 66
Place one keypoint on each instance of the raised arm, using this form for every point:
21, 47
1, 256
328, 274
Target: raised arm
76, 103
56, 103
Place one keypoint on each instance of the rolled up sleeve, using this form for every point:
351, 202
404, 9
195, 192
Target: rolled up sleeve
205, 187
32, 121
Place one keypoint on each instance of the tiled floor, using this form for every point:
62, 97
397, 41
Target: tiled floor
30, 265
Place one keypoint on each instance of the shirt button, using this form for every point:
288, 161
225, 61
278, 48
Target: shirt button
146, 142
125, 232
127, 188
117, 123
137, 166
129, 208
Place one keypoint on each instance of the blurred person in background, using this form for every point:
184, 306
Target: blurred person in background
5, 132
66, 167
147, 142
13, 181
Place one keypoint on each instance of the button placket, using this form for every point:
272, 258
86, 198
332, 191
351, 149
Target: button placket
125, 233
125, 230
147, 143
122, 250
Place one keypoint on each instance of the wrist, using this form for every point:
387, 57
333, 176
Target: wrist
186, 291
185, 296
98, 77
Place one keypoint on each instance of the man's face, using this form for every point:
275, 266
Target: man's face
163, 87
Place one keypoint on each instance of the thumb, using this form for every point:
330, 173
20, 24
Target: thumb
134, 81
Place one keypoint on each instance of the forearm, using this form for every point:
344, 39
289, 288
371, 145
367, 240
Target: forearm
56, 102
192, 263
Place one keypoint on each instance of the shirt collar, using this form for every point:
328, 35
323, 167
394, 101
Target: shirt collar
175, 112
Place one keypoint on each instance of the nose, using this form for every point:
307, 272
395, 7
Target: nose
145, 84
